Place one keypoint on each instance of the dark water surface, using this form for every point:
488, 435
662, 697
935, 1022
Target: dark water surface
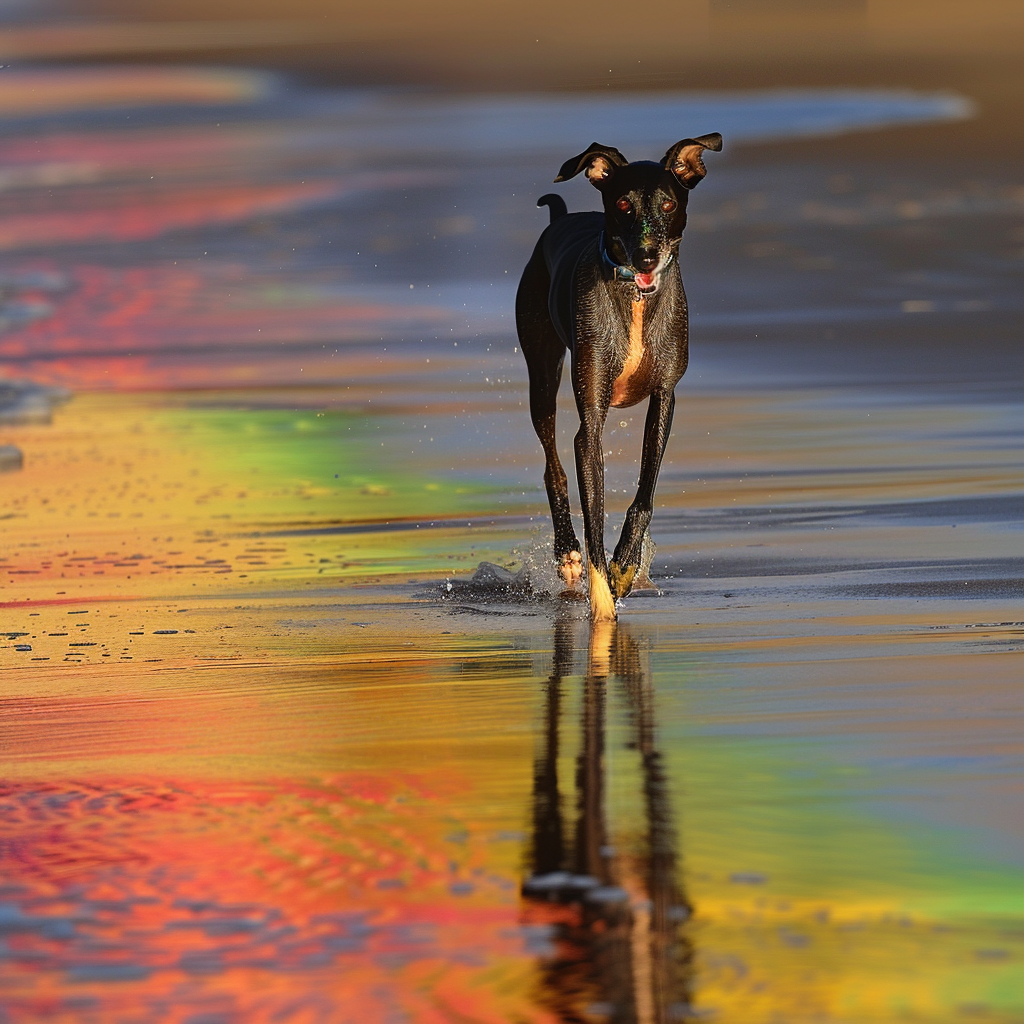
270, 755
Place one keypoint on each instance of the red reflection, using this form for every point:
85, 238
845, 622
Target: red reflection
336, 900
148, 217
165, 327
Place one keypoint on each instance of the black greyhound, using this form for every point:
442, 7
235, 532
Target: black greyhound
607, 288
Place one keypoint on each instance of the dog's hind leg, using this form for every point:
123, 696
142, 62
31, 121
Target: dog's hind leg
545, 356
543, 399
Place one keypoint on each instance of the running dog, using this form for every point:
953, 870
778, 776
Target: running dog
606, 287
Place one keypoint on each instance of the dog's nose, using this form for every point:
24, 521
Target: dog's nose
646, 259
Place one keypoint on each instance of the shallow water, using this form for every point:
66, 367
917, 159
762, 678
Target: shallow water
268, 758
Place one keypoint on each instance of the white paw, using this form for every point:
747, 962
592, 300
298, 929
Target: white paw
571, 568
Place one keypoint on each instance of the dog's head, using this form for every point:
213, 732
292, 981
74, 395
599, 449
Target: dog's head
644, 202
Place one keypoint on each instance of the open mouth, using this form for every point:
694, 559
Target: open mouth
645, 282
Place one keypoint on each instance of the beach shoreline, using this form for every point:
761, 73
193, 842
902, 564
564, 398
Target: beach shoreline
268, 757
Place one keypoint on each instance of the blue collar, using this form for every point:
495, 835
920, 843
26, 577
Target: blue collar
620, 272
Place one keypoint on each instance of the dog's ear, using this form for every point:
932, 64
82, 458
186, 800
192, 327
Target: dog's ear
684, 158
598, 161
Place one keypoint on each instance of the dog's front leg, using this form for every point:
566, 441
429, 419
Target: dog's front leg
628, 552
590, 474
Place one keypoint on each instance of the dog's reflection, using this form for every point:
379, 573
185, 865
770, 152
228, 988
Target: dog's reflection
621, 953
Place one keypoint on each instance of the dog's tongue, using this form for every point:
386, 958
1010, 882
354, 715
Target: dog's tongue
644, 280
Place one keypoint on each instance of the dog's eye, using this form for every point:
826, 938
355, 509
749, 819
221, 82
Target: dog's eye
624, 205
669, 205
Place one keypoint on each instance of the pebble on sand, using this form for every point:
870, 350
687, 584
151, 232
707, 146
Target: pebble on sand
10, 458
22, 401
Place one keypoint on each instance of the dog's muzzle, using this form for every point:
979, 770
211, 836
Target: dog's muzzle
646, 281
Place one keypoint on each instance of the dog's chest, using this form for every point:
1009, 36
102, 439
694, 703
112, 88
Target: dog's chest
626, 383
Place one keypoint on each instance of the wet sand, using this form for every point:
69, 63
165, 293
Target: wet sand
268, 757
262, 762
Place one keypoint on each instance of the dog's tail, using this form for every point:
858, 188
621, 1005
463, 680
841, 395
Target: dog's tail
555, 203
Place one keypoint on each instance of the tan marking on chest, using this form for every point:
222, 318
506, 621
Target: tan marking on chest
620, 389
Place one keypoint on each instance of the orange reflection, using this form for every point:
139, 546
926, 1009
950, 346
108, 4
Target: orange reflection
279, 900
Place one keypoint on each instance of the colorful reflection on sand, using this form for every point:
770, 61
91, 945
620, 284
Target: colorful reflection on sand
269, 755
617, 917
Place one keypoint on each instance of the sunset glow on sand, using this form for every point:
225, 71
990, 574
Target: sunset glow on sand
270, 757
